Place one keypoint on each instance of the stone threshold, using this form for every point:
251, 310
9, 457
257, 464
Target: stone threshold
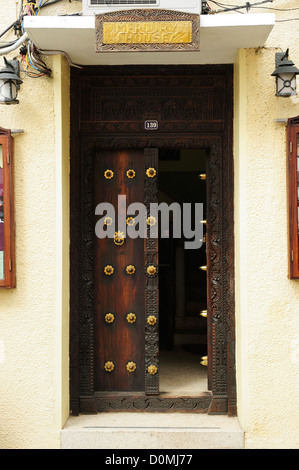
156, 430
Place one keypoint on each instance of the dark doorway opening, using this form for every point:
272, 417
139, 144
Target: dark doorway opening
182, 274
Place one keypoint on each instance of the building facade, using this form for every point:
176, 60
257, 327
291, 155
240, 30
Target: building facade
200, 99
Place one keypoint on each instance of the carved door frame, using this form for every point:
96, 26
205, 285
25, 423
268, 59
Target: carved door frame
216, 139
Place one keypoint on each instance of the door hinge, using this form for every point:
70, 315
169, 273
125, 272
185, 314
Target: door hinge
291, 146
8, 158
10, 265
292, 255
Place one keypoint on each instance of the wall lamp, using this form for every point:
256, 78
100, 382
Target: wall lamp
9, 82
285, 74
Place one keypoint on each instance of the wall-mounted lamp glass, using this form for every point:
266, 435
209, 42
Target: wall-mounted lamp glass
285, 74
9, 82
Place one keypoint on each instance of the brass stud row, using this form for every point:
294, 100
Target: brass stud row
130, 269
130, 366
109, 270
130, 317
130, 221
150, 172
203, 313
109, 174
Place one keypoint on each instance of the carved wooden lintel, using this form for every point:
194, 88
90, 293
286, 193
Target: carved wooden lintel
147, 30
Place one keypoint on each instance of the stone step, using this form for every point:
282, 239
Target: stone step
152, 431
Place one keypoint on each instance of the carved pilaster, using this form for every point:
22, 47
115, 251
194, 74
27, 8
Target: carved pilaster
151, 277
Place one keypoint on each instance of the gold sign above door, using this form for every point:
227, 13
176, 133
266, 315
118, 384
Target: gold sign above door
151, 32
147, 30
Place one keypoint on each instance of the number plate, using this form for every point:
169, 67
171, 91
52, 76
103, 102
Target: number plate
151, 125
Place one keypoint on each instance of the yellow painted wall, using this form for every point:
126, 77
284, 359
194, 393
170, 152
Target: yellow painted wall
267, 302
34, 316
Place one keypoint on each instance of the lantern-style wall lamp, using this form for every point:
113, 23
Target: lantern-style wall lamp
9, 82
285, 74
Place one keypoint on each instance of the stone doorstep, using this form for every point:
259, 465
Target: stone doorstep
152, 431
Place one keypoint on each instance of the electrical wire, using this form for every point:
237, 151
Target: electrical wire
225, 8
32, 64
287, 19
5, 44
9, 28
279, 9
15, 45
228, 7
27, 8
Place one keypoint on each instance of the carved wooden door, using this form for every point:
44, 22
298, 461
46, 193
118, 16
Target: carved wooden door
193, 106
126, 270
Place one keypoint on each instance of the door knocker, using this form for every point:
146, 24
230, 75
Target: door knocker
119, 238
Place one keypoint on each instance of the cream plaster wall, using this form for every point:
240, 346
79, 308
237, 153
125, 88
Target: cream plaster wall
34, 316
267, 302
